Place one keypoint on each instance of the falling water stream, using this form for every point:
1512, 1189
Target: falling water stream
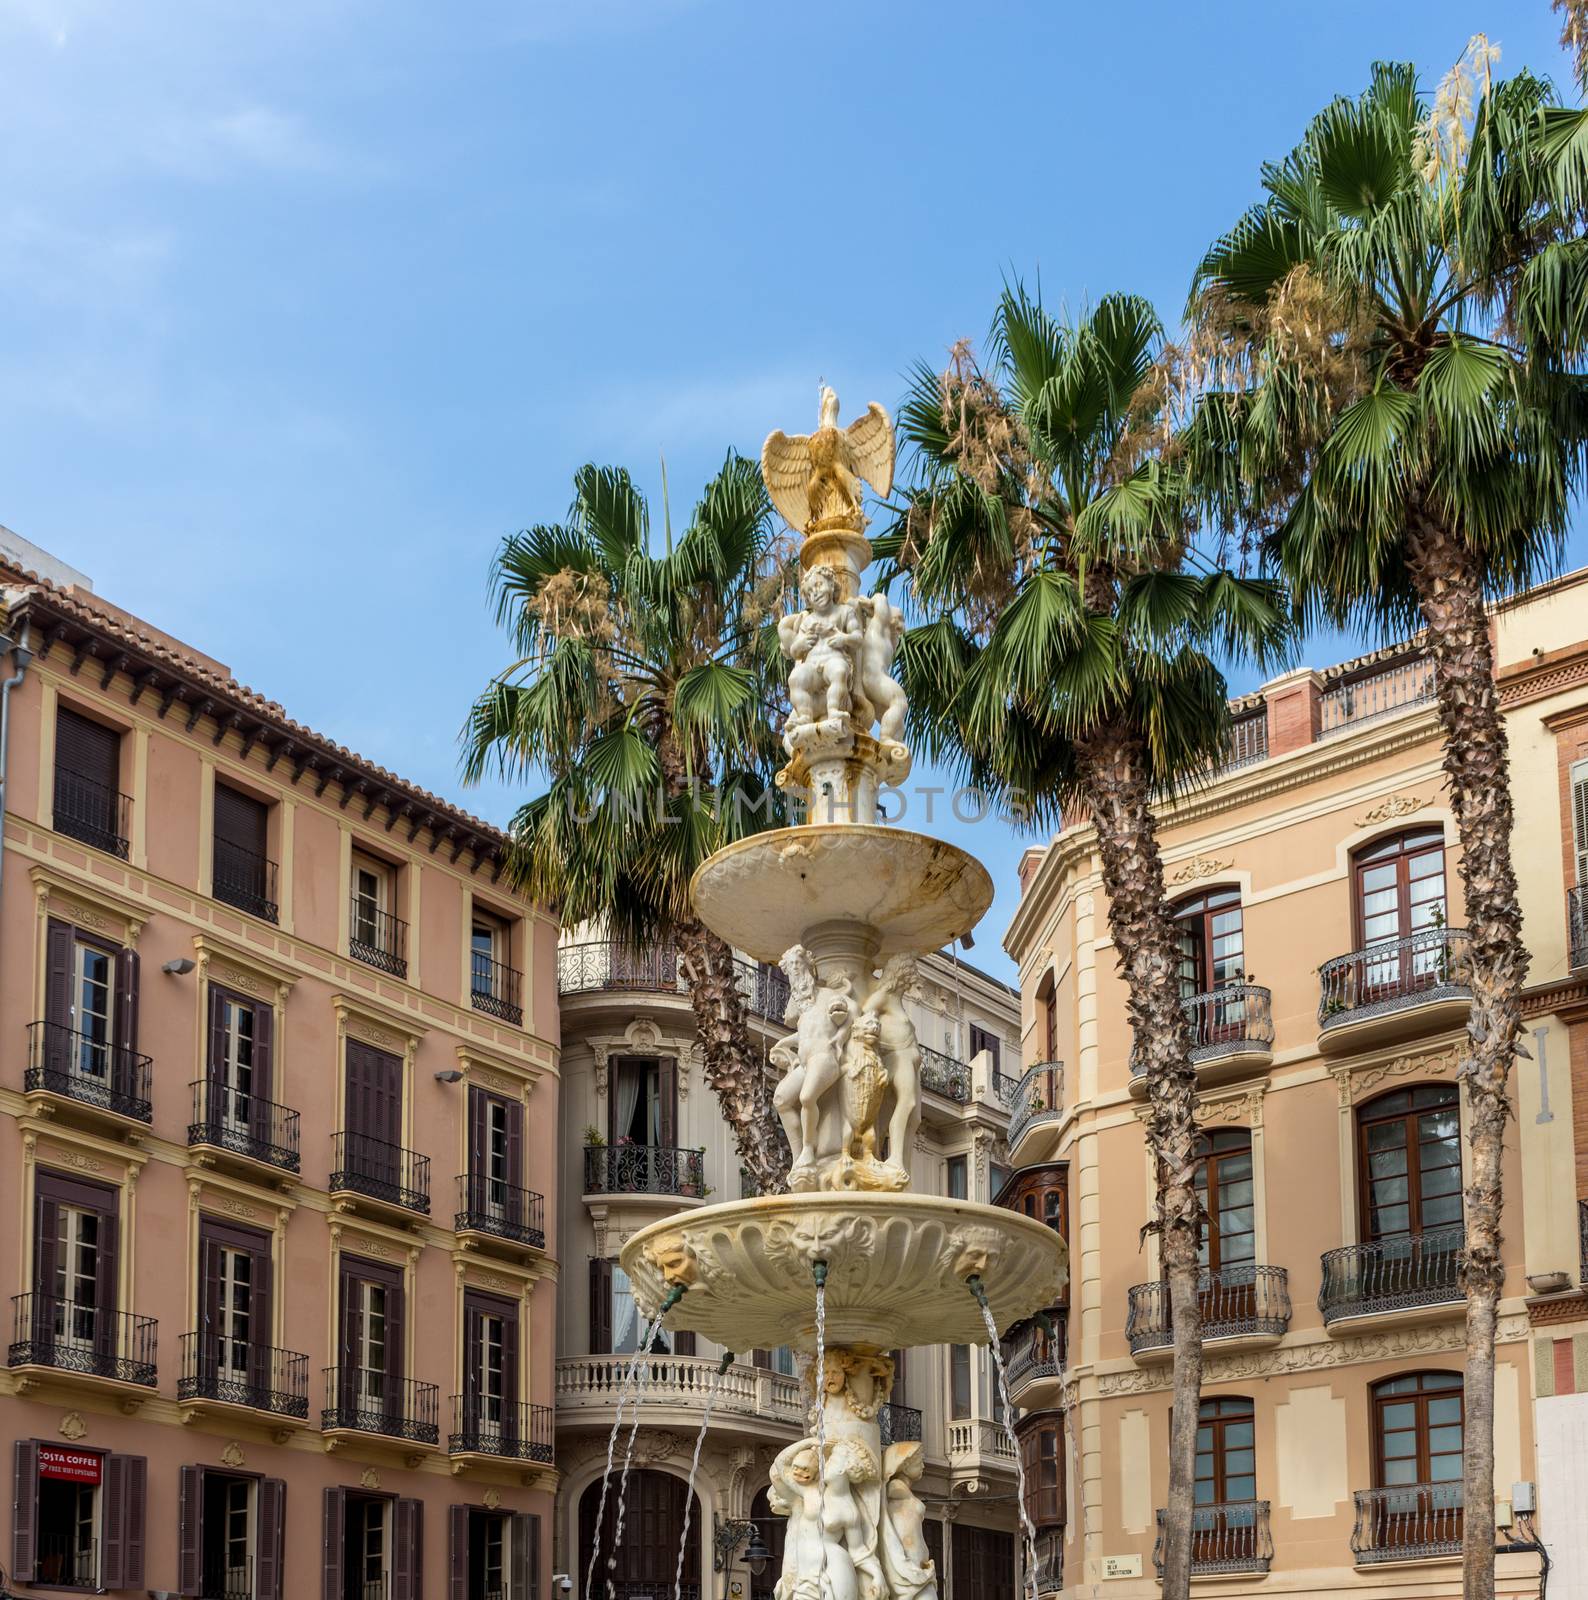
694, 1467
819, 1270
975, 1286
630, 1379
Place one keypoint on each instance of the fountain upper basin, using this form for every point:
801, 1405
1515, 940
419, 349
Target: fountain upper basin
897, 1266
763, 894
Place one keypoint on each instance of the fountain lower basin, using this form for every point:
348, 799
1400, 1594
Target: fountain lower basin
897, 1269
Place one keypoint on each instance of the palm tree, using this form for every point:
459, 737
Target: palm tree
1395, 410
1067, 665
644, 687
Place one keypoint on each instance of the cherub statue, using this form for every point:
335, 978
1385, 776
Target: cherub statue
825, 642
816, 1565
821, 1016
884, 627
849, 1465
906, 1561
814, 479
901, 1053
865, 1083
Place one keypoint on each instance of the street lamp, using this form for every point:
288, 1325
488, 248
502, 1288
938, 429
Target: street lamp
757, 1555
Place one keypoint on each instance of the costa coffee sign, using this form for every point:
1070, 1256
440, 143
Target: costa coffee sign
76, 1466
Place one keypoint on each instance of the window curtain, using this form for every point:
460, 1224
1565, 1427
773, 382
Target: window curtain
630, 1077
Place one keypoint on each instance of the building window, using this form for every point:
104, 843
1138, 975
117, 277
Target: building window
373, 1546
495, 986
645, 1556
490, 1376
79, 1517
235, 1291
75, 1269
958, 1174
494, 1555
1048, 1017
642, 1107
984, 1563
1042, 1450
1224, 1185
86, 1046
232, 1528
1211, 942
1400, 886
243, 875
89, 806
1410, 1161
1417, 1435
959, 1397
1226, 1464
981, 1039
376, 935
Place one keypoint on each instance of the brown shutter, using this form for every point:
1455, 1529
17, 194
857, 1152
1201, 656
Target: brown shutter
212, 1068
396, 1316
88, 748
25, 1510
334, 1502
684, 1342
107, 1280
761, 1358
190, 1532
525, 1556
240, 819
457, 1553
265, 1051
600, 1306
46, 1242
127, 968
667, 1094
515, 1146
272, 1527
58, 974
408, 1554
124, 1494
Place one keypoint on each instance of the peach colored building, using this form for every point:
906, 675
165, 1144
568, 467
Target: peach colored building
1315, 882
278, 1112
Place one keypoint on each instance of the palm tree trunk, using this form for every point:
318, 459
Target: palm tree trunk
1114, 780
735, 1069
1449, 587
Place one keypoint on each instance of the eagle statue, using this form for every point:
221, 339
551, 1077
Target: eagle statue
814, 478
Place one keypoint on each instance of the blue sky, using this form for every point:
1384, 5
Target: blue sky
307, 303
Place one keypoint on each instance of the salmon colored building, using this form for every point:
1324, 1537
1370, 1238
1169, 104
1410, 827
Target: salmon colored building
1315, 882
278, 1110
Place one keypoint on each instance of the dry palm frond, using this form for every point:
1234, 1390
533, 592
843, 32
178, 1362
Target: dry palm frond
1445, 132
575, 605
1574, 35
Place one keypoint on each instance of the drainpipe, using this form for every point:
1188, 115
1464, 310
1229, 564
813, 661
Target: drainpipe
20, 656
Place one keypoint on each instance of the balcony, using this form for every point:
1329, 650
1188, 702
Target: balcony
1377, 690
630, 1169
1399, 1277
500, 1210
1039, 1097
68, 1562
1050, 1562
1394, 990
237, 1372
495, 1428
379, 1171
945, 1075
92, 814
89, 1071
245, 880
1577, 926
749, 1399
1225, 1539
1231, 1035
1245, 1306
594, 965
243, 1125
899, 1424
497, 990
378, 939
359, 1400
1034, 1364
1416, 1522
975, 1443
68, 1336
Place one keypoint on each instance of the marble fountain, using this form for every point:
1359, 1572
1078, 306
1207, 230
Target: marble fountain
851, 1263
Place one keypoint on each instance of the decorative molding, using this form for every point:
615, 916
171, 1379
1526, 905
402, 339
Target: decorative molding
1198, 868
89, 905
232, 1455
72, 1426
1398, 805
1354, 1080
492, 1498
369, 1478
1556, 1309
386, 1030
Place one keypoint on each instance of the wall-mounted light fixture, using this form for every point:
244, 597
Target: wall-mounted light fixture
180, 967
451, 1075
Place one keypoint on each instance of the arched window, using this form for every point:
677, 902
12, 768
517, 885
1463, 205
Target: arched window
1224, 1184
648, 1554
772, 1530
1212, 941
1409, 1154
1400, 885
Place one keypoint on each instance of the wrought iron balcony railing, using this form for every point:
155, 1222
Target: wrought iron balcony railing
1039, 1097
899, 1424
1031, 1352
63, 1560
497, 990
362, 1165
1228, 1538
488, 1205
1236, 1302
219, 1582
1235, 1020
238, 1372
943, 1075
1050, 1563
1395, 1274
1577, 925
1411, 1522
378, 939
92, 814
1005, 1087
1246, 742
644, 1169
243, 1124
487, 1427
596, 964
1375, 691
80, 1067
375, 1402
47, 1331
245, 880
1430, 964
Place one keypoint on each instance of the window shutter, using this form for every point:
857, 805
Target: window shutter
684, 1342
107, 1277
396, 1311
25, 1511
191, 1533
408, 1555
526, 1556
213, 1072
457, 1553
762, 1359
272, 1526
58, 974
88, 748
265, 1051
667, 1093
333, 1502
46, 1241
515, 1145
127, 965
1579, 816
125, 1497
600, 1306
240, 819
